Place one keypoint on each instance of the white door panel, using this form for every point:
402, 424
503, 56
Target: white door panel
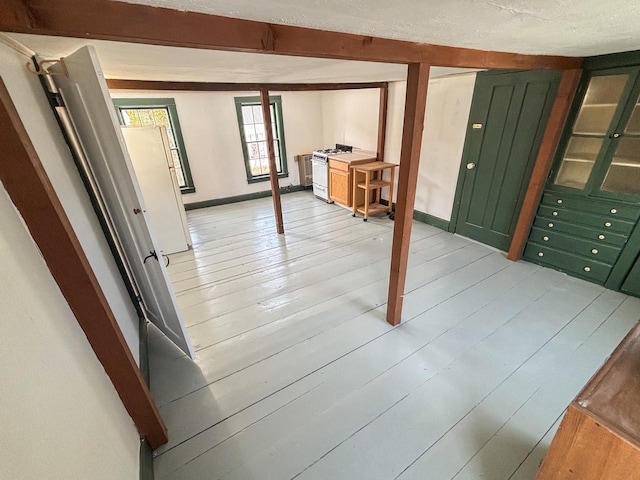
87, 100
147, 151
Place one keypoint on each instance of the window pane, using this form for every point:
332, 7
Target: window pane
257, 114
250, 133
172, 140
256, 168
599, 104
131, 118
260, 134
578, 162
175, 158
160, 117
146, 117
253, 150
634, 122
623, 175
265, 166
263, 149
247, 115
276, 147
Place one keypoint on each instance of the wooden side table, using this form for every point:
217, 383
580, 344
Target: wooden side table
373, 182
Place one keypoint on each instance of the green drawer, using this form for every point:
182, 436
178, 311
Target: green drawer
598, 207
567, 262
587, 248
607, 223
588, 233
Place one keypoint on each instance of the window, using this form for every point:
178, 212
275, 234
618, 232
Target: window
159, 112
253, 135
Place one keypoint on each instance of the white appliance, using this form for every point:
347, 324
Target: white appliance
320, 169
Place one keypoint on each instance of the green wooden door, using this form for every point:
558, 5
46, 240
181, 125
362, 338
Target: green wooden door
509, 113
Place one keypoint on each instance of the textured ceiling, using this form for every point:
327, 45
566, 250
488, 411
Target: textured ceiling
553, 27
150, 62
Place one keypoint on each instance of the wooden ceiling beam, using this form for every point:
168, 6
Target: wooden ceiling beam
125, 22
121, 84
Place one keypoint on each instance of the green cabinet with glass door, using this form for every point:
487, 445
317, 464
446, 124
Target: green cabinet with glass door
591, 204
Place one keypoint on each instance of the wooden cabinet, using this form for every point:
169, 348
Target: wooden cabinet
599, 437
579, 235
339, 182
591, 203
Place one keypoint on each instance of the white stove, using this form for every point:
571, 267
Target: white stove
320, 166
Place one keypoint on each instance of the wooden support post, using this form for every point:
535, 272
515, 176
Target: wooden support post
559, 112
273, 171
31, 192
414, 110
382, 120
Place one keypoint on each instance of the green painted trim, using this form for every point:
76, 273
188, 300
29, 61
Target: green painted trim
276, 101
146, 460
241, 198
170, 105
612, 60
437, 222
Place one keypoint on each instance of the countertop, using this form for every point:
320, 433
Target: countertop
357, 156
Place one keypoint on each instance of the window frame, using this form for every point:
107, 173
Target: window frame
276, 101
170, 105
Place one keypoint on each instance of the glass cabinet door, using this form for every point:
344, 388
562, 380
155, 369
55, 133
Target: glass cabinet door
623, 174
591, 128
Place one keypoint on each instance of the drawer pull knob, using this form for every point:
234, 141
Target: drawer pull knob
555, 214
559, 200
540, 254
601, 237
545, 238
614, 210
607, 224
587, 269
550, 225
594, 251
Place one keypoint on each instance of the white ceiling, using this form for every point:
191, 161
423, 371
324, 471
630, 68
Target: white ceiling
553, 27
151, 62
558, 27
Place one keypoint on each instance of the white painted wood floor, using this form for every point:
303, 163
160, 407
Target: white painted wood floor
298, 375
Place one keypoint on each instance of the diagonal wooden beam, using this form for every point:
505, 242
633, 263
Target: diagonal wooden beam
273, 171
559, 112
30, 190
125, 22
414, 111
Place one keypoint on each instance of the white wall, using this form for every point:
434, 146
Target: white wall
445, 125
34, 110
212, 138
60, 416
350, 117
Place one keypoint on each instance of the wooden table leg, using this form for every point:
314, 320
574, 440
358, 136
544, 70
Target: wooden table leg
391, 189
367, 181
354, 192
